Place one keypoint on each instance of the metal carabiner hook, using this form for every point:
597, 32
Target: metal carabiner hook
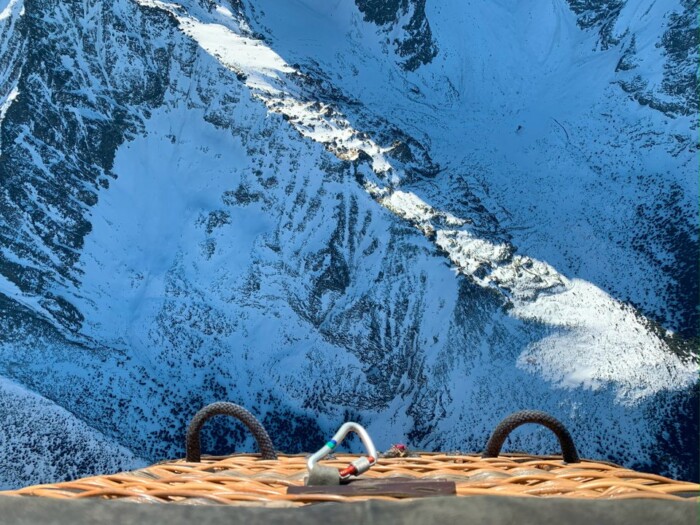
319, 475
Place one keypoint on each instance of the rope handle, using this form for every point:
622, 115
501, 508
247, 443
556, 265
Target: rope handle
193, 444
505, 427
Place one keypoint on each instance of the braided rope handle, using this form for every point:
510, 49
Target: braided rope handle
505, 427
193, 445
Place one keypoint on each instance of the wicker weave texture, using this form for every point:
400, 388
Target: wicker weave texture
249, 480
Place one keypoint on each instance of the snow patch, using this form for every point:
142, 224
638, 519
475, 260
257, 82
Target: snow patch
154, 202
10, 8
5, 105
601, 341
274, 82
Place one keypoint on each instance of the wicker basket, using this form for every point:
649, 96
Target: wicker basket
249, 480
280, 482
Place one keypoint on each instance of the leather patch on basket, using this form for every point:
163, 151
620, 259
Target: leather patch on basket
392, 487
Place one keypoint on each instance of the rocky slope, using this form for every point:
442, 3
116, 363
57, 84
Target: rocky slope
42, 441
418, 215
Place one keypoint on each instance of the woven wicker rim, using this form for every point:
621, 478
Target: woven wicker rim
246, 479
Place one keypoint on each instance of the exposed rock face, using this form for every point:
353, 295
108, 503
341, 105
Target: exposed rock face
85, 86
413, 40
417, 216
674, 92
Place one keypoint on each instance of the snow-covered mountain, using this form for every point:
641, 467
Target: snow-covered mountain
421, 215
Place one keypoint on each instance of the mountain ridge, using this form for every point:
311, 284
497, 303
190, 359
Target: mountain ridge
295, 243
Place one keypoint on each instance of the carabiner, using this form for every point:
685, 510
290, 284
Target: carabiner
357, 467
